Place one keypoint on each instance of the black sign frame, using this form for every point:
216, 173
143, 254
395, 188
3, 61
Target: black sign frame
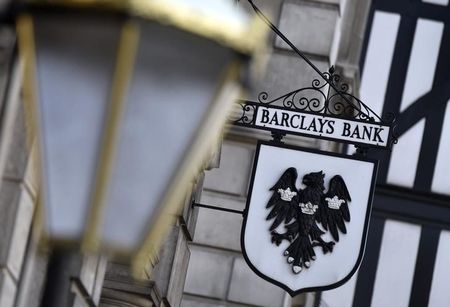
366, 219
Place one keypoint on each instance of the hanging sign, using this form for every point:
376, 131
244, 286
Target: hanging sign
307, 212
307, 216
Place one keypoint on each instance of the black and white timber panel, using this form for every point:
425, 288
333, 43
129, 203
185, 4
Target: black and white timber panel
406, 70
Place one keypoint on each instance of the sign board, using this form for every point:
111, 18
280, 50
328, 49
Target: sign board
358, 130
306, 218
324, 126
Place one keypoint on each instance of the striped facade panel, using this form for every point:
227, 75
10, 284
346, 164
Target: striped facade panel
342, 296
378, 59
405, 70
423, 61
404, 157
396, 262
441, 178
440, 294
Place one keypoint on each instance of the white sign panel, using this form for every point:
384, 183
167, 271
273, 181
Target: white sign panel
323, 126
306, 217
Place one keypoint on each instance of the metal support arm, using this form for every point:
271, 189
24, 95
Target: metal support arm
217, 208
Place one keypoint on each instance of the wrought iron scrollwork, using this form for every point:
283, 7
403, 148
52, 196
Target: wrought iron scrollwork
246, 115
319, 98
305, 99
390, 119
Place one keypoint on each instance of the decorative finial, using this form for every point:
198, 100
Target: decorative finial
332, 69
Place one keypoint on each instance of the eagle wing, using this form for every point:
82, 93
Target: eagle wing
283, 199
333, 209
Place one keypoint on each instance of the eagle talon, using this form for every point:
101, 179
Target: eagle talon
327, 247
277, 238
296, 269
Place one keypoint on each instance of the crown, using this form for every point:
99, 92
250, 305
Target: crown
308, 208
334, 203
287, 194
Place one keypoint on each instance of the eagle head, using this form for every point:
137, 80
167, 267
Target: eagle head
314, 180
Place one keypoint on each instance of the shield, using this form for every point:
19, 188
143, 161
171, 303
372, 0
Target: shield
307, 215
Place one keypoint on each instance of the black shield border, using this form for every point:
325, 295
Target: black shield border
366, 222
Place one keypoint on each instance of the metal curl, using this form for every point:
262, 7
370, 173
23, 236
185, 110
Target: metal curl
389, 118
336, 79
288, 102
344, 87
315, 104
365, 117
246, 109
303, 102
245, 115
336, 108
311, 103
394, 137
262, 97
349, 111
316, 84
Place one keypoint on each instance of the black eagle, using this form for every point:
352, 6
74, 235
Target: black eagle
301, 209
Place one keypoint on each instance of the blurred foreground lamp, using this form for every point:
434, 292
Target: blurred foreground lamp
129, 98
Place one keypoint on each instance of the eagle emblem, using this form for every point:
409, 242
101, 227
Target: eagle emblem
306, 214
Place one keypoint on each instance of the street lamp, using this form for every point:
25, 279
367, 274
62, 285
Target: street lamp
128, 98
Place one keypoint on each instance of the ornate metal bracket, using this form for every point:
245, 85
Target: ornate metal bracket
319, 99
330, 98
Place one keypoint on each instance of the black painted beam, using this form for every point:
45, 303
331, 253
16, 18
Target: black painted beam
368, 269
423, 273
414, 8
429, 209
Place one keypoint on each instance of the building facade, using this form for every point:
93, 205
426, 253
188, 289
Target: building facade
393, 54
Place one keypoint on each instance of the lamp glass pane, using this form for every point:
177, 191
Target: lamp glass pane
175, 78
223, 11
76, 58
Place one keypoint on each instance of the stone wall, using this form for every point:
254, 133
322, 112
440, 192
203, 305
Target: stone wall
18, 190
217, 274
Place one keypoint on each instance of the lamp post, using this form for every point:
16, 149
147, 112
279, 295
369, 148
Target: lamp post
128, 99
